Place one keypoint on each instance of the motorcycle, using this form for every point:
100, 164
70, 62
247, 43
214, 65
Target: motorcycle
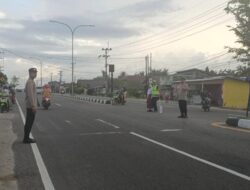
13, 98
46, 103
205, 103
119, 99
4, 103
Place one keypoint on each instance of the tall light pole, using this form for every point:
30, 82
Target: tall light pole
41, 68
106, 56
72, 30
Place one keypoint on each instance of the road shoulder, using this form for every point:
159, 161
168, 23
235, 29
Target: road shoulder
7, 162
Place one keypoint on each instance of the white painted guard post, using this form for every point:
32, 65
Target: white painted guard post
160, 106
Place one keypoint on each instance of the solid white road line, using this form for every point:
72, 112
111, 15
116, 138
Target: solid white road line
194, 157
110, 124
59, 105
100, 133
48, 185
69, 122
171, 130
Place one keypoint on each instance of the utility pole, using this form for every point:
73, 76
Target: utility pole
111, 71
106, 56
2, 66
51, 76
248, 105
60, 81
146, 69
150, 64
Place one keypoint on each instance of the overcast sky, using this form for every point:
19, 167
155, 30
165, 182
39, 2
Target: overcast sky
180, 34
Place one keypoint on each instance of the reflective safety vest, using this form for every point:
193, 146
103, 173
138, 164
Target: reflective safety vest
155, 91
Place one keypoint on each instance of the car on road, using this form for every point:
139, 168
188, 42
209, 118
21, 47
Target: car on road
39, 90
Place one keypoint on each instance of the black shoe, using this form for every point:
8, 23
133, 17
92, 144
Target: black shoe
181, 116
28, 141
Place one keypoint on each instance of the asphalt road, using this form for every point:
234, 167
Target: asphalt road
103, 147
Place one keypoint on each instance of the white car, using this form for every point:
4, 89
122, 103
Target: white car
39, 90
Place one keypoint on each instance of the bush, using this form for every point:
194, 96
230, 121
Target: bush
136, 93
79, 90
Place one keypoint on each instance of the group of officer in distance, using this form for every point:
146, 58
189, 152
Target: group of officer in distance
153, 95
181, 91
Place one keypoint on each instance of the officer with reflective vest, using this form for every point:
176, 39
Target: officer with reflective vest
155, 95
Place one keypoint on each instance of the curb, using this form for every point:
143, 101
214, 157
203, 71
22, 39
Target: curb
238, 122
244, 123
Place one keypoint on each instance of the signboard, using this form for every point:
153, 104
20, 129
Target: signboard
111, 68
248, 79
248, 103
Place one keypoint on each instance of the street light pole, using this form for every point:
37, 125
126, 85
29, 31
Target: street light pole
72, 30
41, 69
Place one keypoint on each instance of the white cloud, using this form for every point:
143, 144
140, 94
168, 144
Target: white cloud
57, 52
83, 42
119, 22
9, 24
52, 39
2, 15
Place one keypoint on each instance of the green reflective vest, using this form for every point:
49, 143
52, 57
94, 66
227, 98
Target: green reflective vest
155, 91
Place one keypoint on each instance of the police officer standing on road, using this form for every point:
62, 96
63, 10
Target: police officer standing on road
155, 95
182, 92
31, 105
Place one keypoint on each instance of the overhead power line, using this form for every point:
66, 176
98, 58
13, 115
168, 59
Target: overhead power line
178, 32
178, 39
188, 21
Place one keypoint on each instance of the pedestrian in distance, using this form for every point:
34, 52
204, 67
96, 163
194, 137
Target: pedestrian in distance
182, 91
31, 105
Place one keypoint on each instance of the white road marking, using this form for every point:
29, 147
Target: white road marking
194, 157
48, 185
69, 122
110, 124
59, 105
171, 130
100, 133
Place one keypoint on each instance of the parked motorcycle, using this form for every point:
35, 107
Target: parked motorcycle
4, 103
46, 103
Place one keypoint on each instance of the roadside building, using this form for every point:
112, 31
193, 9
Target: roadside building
166, 81
191, 74
93, 87
224, 91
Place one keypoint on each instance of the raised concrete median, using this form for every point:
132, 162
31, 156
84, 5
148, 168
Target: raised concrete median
94, 99
236, 121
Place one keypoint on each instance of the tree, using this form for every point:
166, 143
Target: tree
141, 74
241, 11
159, 72
207, 70
3, 79
122, 75
243, 71
227, 72
14, 81
210, 71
